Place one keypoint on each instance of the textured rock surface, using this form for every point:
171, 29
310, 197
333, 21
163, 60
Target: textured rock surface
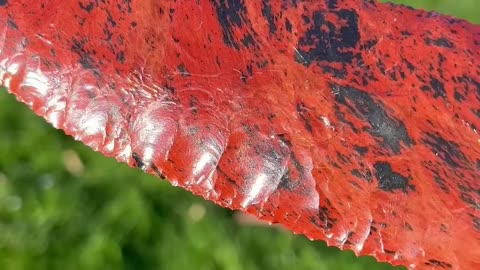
347, 121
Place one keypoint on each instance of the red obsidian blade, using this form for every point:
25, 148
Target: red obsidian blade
347, 121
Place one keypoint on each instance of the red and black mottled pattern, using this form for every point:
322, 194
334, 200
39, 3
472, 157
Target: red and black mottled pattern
348, 121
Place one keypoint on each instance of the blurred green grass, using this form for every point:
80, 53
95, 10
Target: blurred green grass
465, 9
62, 205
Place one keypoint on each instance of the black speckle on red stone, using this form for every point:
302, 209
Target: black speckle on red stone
440, 42
267, 13
288, 25
183, 70
390, 130
436, 87
367, 175
157, 171
325, 41
469, 195
441, 183
332, 4
360, 150
248, 41
458, 96
440, 264
389, 180
326, 222
87, 7
448, 151
303, 113
231, 14
476, 222
86, 59
12, 24
138, 161
121, 57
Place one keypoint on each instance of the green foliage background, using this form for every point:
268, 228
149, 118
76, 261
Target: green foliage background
64, 206
465, 9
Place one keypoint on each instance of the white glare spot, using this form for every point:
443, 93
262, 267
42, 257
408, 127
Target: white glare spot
148, 156
326, 121
255, 190
93, 123
37, 81
202, 163
13, 68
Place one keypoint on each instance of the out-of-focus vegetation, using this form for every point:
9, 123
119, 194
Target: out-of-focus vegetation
64, 206
465, 9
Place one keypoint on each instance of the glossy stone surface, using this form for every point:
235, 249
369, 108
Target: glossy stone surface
347, 121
